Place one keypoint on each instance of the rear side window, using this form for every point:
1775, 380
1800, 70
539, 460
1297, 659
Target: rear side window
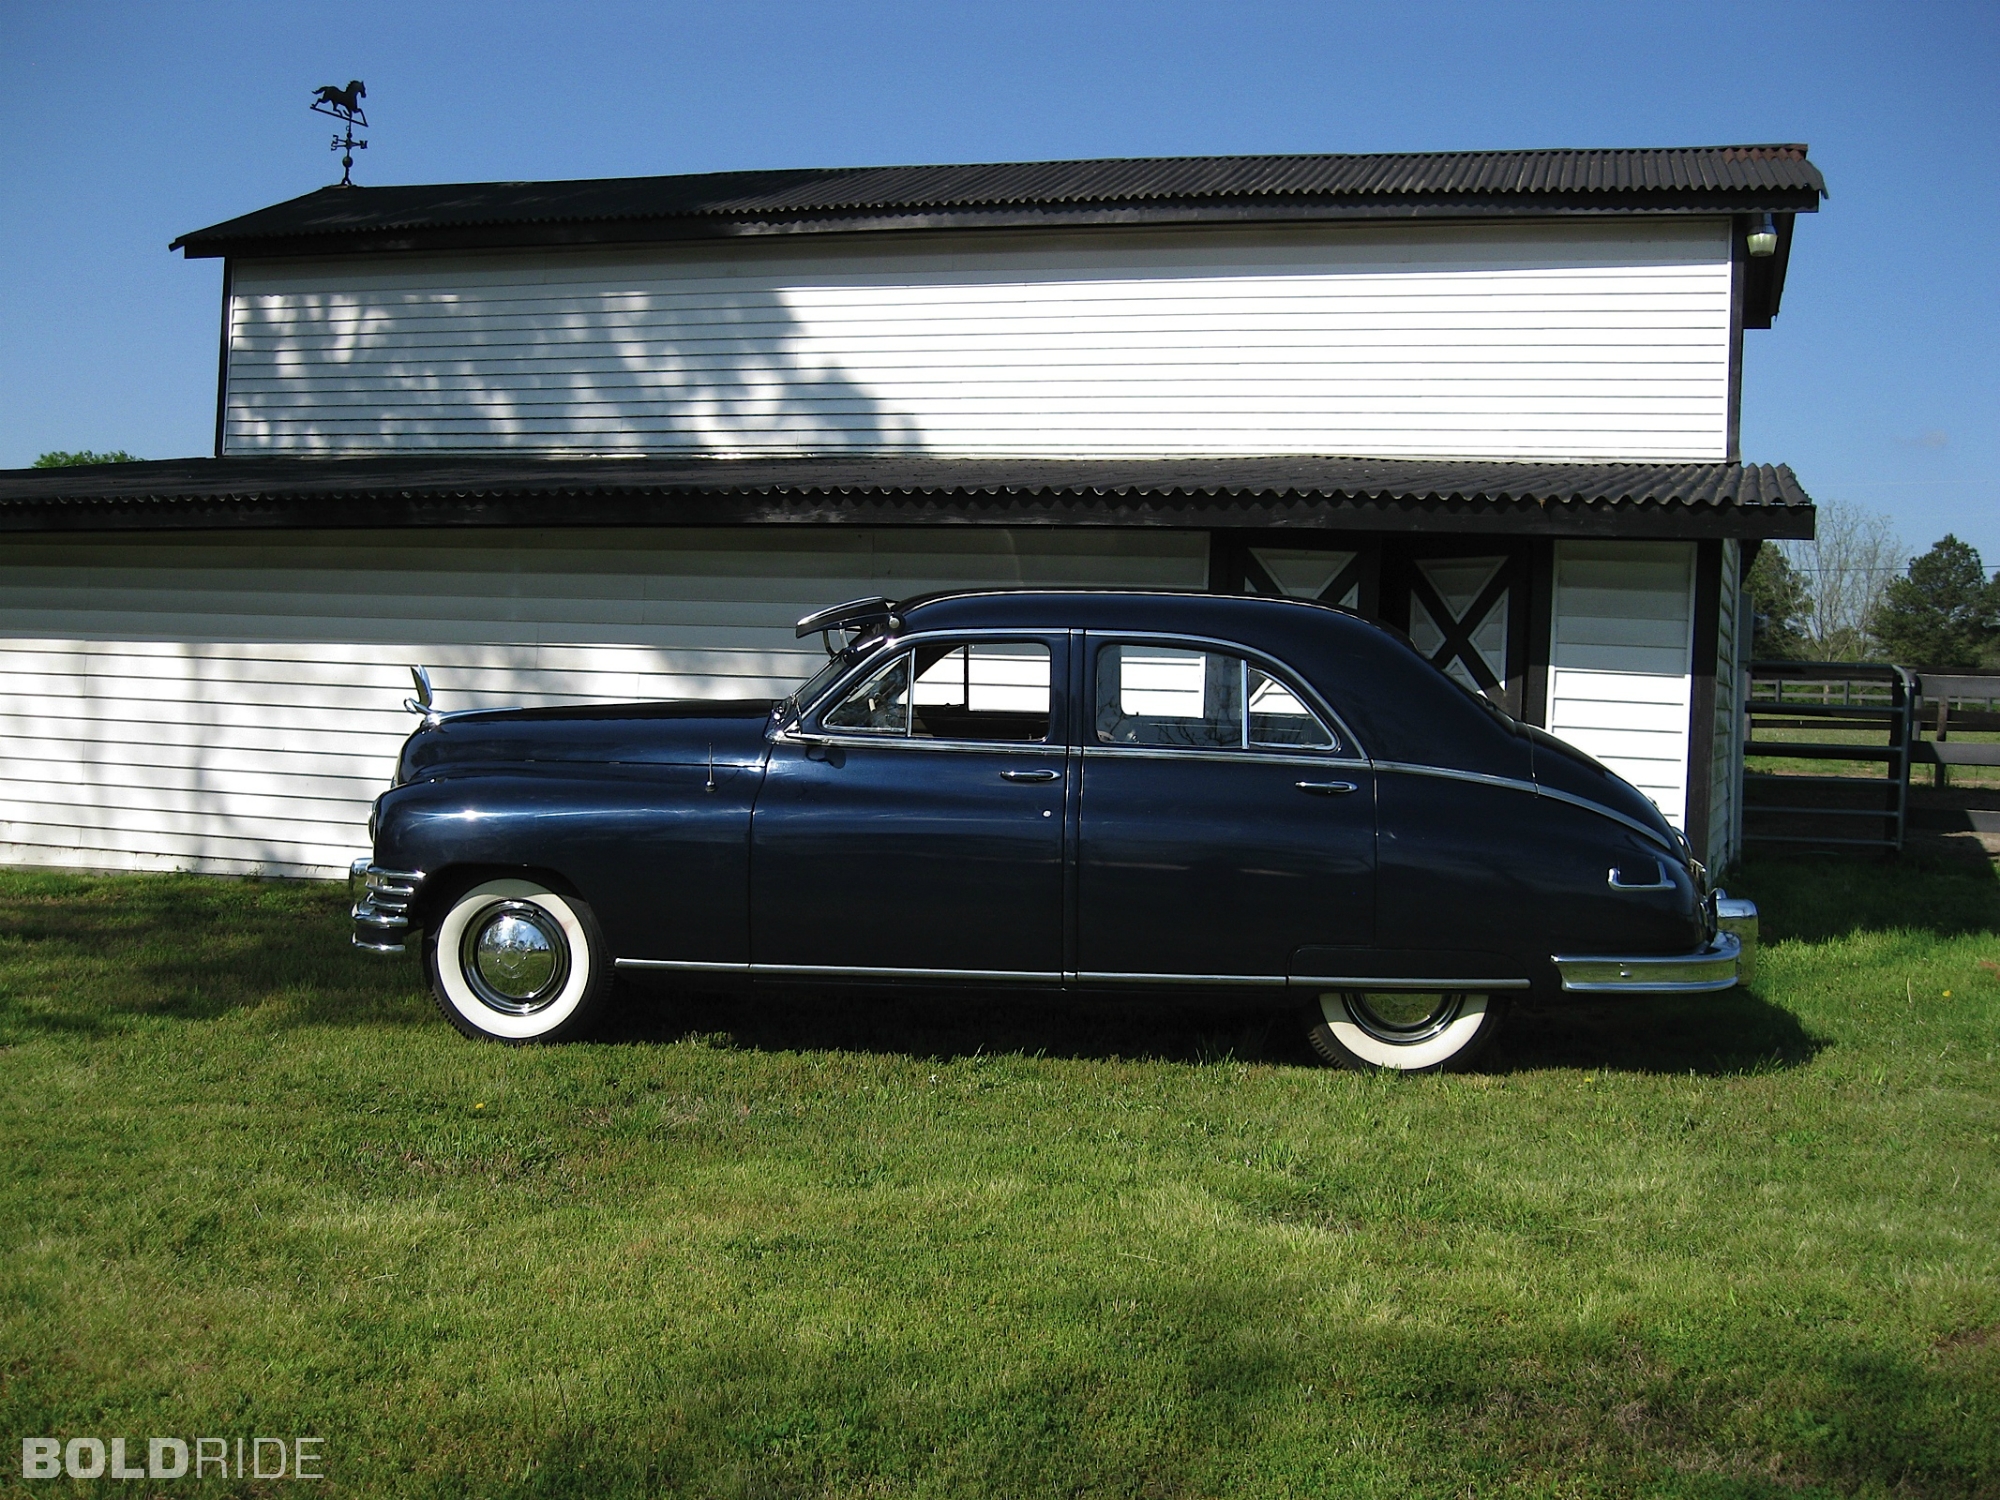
1189, 698
985, 691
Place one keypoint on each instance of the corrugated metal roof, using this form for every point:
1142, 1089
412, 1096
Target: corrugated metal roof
1363, 494
1718, 178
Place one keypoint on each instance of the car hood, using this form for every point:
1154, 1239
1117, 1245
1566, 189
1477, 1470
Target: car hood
1561, 767
689, 732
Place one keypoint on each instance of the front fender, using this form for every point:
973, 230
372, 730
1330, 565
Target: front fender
661, 853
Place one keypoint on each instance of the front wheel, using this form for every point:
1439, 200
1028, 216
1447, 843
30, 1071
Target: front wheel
513, 961
1402, 1031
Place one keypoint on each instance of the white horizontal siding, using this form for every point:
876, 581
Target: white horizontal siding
233, 704
1619, 680
1581, 341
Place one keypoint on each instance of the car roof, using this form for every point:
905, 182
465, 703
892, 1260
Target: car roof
1256, 619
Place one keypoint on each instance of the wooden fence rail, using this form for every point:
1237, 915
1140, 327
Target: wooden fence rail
1879, 714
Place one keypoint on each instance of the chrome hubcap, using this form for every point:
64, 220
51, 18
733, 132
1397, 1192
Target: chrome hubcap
515, 957
1402, 1017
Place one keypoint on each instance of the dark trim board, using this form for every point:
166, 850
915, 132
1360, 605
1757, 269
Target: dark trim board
222, 359
1701, 697
1739, 261
1765, 282
1541, 606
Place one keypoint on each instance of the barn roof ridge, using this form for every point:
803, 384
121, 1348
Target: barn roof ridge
1778, 177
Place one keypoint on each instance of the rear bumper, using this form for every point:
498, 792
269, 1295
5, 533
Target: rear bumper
1734, 914
1715, 967
382, 916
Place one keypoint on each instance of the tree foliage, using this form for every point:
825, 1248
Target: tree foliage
57, 459
1781, 602
1944, 612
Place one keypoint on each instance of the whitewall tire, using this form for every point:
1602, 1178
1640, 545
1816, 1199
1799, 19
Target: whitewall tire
513, 961
1402, 1032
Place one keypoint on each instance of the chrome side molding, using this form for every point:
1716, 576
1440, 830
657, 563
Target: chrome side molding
830, 971
1086, 976
1421, 986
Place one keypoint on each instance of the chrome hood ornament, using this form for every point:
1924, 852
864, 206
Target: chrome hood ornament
421, 704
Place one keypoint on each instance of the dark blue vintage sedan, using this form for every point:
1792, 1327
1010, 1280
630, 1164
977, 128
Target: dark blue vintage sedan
1092, 791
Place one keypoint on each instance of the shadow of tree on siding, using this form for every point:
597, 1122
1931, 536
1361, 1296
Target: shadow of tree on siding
706, 366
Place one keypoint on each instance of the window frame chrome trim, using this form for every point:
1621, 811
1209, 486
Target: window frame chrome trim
1042, 748
1094, 640
794, 727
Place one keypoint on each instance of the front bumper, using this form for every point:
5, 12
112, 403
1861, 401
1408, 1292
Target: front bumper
382, 916
1715, 967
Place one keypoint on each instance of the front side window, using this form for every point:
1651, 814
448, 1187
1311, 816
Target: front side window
881, 705
1189, 698
983, 691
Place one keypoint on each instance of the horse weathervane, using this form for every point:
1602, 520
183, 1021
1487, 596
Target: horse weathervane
344, 104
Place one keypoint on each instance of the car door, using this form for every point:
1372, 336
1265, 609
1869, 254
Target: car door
1226, 820
916, 825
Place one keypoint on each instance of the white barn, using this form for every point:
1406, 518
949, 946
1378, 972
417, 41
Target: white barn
593, 441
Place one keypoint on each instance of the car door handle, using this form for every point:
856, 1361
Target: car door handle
1327, 788
1029, 775
1617, 883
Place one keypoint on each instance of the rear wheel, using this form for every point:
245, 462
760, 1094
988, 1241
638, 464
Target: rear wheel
514, 961
1402, 1031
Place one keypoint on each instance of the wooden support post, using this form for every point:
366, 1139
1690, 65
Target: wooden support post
1701, 706
1940, 772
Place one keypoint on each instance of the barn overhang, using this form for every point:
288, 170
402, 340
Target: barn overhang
1638, 501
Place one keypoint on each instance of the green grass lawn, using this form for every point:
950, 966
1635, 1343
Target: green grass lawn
816, 1244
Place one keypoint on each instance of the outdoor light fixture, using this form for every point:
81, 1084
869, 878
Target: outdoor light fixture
1763, 239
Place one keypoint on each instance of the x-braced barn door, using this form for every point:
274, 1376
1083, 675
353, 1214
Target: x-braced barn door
1342, 575
1464, 608
1467, 612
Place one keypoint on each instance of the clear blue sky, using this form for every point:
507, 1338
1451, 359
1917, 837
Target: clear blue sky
125, 124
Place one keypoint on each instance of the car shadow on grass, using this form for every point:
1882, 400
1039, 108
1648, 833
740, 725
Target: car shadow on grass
1728, 1034
942, 1024
1722, 1035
